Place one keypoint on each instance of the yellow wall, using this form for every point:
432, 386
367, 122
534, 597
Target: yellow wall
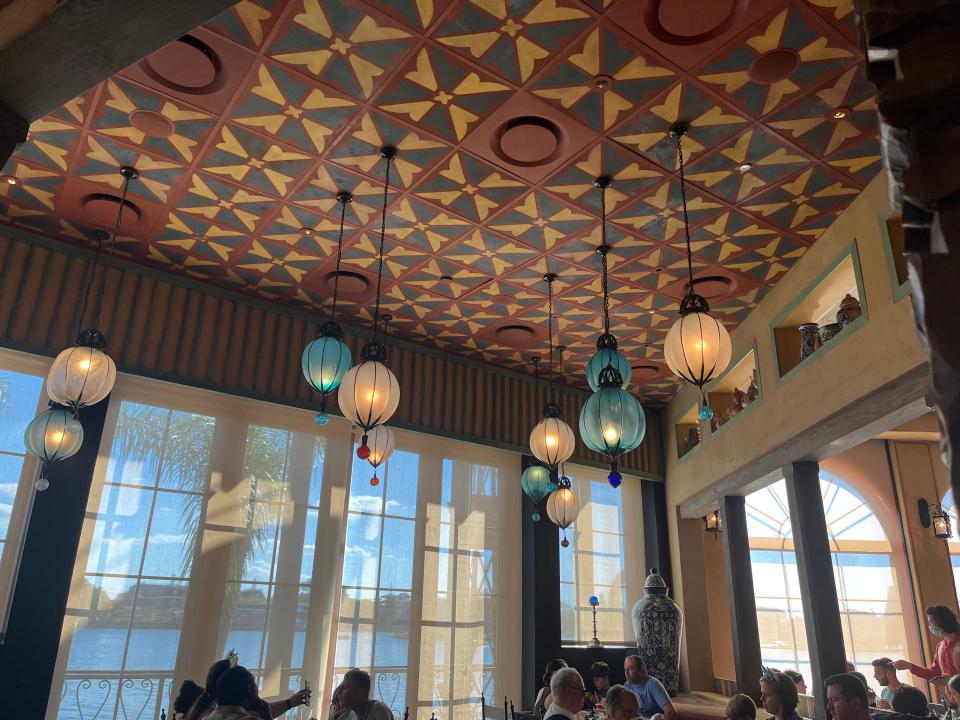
881, 351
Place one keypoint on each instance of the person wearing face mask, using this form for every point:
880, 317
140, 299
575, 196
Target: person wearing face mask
942, 623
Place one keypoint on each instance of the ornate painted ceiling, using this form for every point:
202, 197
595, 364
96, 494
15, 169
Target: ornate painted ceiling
504, 112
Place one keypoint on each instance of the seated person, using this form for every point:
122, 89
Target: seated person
886, 675
871, 695
237, 697
740, 707
778, 695
651, 693
351, 699
189, 692
204, 704
797, 680
953, 690
567, 690
846, 697
544, 700
622, 704
600, 672
911, 701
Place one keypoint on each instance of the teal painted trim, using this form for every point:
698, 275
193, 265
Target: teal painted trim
899, 290
682, 458
673, 429
852, 251
756, 367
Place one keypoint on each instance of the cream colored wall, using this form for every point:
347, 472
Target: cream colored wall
882, 350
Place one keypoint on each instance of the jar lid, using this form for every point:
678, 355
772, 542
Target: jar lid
655, 581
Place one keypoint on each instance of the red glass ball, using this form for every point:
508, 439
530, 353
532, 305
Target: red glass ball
363, 452
565, 543
374, 481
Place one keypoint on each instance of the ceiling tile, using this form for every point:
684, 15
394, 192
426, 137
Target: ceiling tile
470, 187
541, 220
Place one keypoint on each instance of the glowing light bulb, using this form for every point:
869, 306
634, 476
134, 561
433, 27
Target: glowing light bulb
85, 364
56, 437
611, 435
551, 441
372, 396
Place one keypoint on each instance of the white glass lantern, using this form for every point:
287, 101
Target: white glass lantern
369, 394
552, 441
697, 348
83, 374
563, 507
381, 442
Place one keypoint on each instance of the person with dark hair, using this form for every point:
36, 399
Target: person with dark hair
942, 623
871, 695
189, 692
886, 674
236, 693
653, 696
846, 697
911, 701
353, 696
204, 704
544, 700
600, 672
740, 707
779, 695
797, 680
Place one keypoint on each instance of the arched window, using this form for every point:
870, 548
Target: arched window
867, 590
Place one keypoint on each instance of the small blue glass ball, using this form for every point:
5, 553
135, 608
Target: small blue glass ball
536, 517
594, 600
322, 418
615, 478
551, 487
705, 413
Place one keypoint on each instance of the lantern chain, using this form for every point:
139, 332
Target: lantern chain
388, 154
686, 219
343, 198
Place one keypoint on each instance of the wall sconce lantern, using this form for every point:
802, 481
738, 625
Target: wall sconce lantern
712, 523
595, 641
932, 514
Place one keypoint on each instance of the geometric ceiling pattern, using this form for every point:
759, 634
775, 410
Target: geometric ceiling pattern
504, 113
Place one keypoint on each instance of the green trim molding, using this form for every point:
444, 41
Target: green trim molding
899, 290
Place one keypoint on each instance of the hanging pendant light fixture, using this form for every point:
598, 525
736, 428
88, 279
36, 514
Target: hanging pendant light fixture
84, 374
552, 441
381, 443
537, 485
698, 347
370, 393
55, 434
612, 421
326, 359
563, 507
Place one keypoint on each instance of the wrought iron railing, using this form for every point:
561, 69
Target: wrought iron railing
114, 696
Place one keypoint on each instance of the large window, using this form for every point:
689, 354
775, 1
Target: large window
604, 559
20, 397
867, 589
431, 578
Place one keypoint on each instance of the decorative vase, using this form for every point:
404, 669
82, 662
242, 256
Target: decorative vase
739, 401
809, 340
828, 331
849, 310
753, 390
657, 623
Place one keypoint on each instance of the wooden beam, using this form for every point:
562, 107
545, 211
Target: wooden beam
743, 601
83, 42
818, 590
889, 406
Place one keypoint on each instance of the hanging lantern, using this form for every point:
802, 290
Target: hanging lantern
551, 441
55, 434
84, 374
607, 356
369, 394
698, 347
563, 507
326, 360
380, 440
537, 485
612, 421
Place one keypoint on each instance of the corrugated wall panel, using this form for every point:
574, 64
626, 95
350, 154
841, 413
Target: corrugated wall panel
188, 332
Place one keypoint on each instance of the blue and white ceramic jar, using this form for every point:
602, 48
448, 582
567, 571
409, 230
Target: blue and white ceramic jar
657, 623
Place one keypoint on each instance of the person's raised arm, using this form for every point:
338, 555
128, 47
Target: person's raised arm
927, 673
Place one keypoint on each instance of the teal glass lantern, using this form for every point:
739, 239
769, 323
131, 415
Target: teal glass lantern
325, 362
536, 484
55, 434
612, 421
601, 359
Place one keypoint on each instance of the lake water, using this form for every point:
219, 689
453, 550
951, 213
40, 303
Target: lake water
99, 652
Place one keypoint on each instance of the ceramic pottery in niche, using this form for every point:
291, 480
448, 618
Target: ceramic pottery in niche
809, 340
849, 310
657, 623
828, 331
